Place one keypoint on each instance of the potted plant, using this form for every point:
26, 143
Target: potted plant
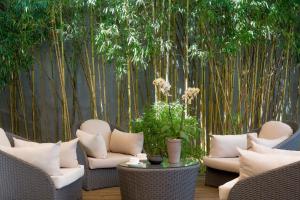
155, 125
167, 126
174, 142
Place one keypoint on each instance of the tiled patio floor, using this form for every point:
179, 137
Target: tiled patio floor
202, 193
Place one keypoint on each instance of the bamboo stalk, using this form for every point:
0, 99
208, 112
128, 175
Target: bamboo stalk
119, 103
33, 104
92, 70
104, 88
136, 92
186, 62
286, 66
101, 96
129, 93
154, 63
168, 39
11, 106
22, 105
59, 48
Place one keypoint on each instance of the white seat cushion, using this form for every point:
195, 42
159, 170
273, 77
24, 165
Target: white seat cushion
275, 129
3, 139
225, 164
69, 176
112, 160
95, 126
225, 189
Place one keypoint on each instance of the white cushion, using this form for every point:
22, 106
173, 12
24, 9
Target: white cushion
275, 129
224, 146
112, 161
95, 126
45, 157
225, 164
69, 176
126, 143
3, 139
267, 150
267, 142
94, 145
68, 155
225, 189
252, 163
249, 140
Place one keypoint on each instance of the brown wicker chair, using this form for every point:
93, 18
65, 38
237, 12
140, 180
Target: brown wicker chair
216, 177
277, 184
20, 180
98, 178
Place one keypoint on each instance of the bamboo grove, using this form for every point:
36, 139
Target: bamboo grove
242, 54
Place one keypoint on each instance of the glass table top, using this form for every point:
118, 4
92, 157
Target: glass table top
164, 165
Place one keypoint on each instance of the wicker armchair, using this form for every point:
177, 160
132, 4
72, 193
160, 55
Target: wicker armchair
277, 184
216, 177
97, 178
20, 180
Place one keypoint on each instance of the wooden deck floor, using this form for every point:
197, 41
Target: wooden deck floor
202, 193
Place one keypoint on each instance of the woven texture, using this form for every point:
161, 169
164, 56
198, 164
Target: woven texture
20, 180
97, 178
278, 184
158, 184
215, 178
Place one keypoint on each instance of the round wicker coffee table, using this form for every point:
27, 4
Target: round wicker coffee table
158, 182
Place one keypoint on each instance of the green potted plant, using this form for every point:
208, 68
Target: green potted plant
174, 141
166, 125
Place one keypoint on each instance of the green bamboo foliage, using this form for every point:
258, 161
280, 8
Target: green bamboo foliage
241, 54
57, 30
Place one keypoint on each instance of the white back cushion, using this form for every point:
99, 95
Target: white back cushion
45, 157
267, 142
68, 154
127, 143
275, 129
252, 163
225, 146
3, 139
94, 145
95, 126
267, 150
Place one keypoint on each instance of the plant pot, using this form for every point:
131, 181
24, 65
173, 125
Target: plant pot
174, 150
155, 159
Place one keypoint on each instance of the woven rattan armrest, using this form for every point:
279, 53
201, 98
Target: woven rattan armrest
21, 179
277, 184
